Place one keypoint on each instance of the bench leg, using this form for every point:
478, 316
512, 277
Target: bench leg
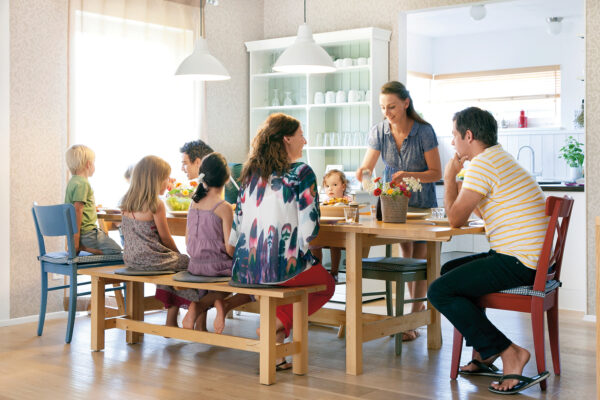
267, 340
135, 308
300, 335
98, 300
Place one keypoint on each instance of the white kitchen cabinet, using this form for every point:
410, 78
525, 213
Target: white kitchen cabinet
345, 124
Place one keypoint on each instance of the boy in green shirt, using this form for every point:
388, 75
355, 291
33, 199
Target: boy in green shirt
80, 160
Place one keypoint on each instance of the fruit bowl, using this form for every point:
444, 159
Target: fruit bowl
177, 203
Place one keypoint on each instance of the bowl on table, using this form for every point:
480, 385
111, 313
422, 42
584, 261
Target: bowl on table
178, 204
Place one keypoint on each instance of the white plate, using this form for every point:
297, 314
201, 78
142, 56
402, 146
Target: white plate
331, 220
178, 213
109, 210
415, 215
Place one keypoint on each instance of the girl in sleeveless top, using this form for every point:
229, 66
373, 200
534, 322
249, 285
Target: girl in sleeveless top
208, 227
148, 244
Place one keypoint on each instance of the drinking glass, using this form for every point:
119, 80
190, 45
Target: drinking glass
319, 139
326, 139
275, 99
350, 214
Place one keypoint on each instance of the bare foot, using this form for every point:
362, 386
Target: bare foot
410, 335
190, 317
219, 323
472, 367
514, 359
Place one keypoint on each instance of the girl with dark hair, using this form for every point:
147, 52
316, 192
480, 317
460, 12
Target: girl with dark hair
276, 217
409, 148
207, 239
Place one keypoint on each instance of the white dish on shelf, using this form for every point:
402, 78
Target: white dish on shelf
179, 213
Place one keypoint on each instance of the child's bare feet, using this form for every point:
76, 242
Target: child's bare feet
190, 317
280, 363
219, 323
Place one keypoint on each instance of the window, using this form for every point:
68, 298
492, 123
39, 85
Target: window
502, 92
126, 102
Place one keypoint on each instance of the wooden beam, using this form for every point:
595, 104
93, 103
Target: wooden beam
391, 325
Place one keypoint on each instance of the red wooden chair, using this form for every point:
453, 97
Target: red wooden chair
542, 296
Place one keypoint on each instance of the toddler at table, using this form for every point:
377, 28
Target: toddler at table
207, 239
335, 185
80, 160
148, 241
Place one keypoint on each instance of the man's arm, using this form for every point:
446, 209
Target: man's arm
459, 204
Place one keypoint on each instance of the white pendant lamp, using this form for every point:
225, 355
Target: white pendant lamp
554, 25
201, 65
304, 55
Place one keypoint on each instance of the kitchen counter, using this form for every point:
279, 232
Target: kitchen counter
549, 187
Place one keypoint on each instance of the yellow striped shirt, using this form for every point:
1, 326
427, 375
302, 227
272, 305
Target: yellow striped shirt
513, 206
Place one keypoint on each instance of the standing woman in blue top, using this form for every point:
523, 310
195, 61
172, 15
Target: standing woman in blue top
409, 148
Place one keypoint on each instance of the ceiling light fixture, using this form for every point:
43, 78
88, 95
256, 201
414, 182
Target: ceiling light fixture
304, 55
554, 25
478, 12
201, 65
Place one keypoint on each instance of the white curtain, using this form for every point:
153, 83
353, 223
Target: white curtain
125, 100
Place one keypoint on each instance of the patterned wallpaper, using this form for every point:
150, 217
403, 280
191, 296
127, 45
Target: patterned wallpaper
38, 133
38, 102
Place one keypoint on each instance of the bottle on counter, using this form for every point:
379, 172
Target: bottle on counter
522, 120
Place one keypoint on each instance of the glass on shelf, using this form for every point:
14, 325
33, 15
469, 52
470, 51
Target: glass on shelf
275, 98
287, 101
319, 139
326, 139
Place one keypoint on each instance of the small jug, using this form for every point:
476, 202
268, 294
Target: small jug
340, 97
319, 98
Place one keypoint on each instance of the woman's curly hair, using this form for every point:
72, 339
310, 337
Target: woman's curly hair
268, 154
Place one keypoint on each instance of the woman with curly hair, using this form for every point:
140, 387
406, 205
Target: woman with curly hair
276, 216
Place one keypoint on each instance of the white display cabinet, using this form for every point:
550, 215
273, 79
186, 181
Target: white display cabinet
335, 131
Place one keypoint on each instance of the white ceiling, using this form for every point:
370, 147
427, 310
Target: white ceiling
501, 16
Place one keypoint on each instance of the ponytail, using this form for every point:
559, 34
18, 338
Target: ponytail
214, 173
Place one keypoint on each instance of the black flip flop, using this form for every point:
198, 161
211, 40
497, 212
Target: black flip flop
524, 382
483, 369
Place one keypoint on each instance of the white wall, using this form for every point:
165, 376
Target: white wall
508, 49
4, 165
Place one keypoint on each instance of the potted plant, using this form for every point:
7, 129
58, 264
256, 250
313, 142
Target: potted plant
572, 153
394, 197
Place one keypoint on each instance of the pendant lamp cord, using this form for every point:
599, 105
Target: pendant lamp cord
202, 31
305, 11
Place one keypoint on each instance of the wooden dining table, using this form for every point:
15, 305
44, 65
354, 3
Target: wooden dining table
357, 239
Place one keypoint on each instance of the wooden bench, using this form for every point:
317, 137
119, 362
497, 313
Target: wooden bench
268, 299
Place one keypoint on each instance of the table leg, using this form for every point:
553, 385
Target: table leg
300, 334
434, 329
354, 323
267, 340
97, 309
135, 308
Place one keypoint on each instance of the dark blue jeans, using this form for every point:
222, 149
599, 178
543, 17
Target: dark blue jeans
464, 280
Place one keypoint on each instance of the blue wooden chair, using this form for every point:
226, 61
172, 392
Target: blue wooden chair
59, 220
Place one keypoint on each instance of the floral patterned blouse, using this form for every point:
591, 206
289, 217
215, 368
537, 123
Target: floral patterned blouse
273, 223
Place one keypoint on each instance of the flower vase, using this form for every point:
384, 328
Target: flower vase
394, 208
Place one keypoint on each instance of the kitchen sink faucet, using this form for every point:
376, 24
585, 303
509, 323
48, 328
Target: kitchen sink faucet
532, 158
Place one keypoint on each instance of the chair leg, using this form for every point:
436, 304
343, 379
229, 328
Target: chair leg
388, 298
456, 353
537, 323
399, 312
552, 316
72, 305
43, 302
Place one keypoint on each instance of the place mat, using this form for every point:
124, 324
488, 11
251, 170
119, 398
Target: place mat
331, 220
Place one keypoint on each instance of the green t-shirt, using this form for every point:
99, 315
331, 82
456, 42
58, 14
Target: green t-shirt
79, 189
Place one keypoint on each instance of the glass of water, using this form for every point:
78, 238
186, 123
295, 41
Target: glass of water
350, 214
438, 213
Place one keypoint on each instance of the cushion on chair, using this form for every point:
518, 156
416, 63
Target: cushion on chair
62, 257
185, 276
138, 272
528, 290
394, 264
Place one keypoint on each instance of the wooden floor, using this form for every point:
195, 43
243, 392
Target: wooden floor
44, 367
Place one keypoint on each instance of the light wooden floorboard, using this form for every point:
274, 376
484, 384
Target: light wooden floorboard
44, 367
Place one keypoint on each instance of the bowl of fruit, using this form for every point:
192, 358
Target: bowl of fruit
179, 197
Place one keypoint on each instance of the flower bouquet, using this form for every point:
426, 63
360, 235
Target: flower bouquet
179, 196
394, 197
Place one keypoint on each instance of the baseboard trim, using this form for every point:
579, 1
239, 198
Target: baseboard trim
32, 318
589, 318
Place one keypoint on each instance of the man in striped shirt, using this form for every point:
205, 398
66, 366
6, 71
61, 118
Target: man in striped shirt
512, 207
